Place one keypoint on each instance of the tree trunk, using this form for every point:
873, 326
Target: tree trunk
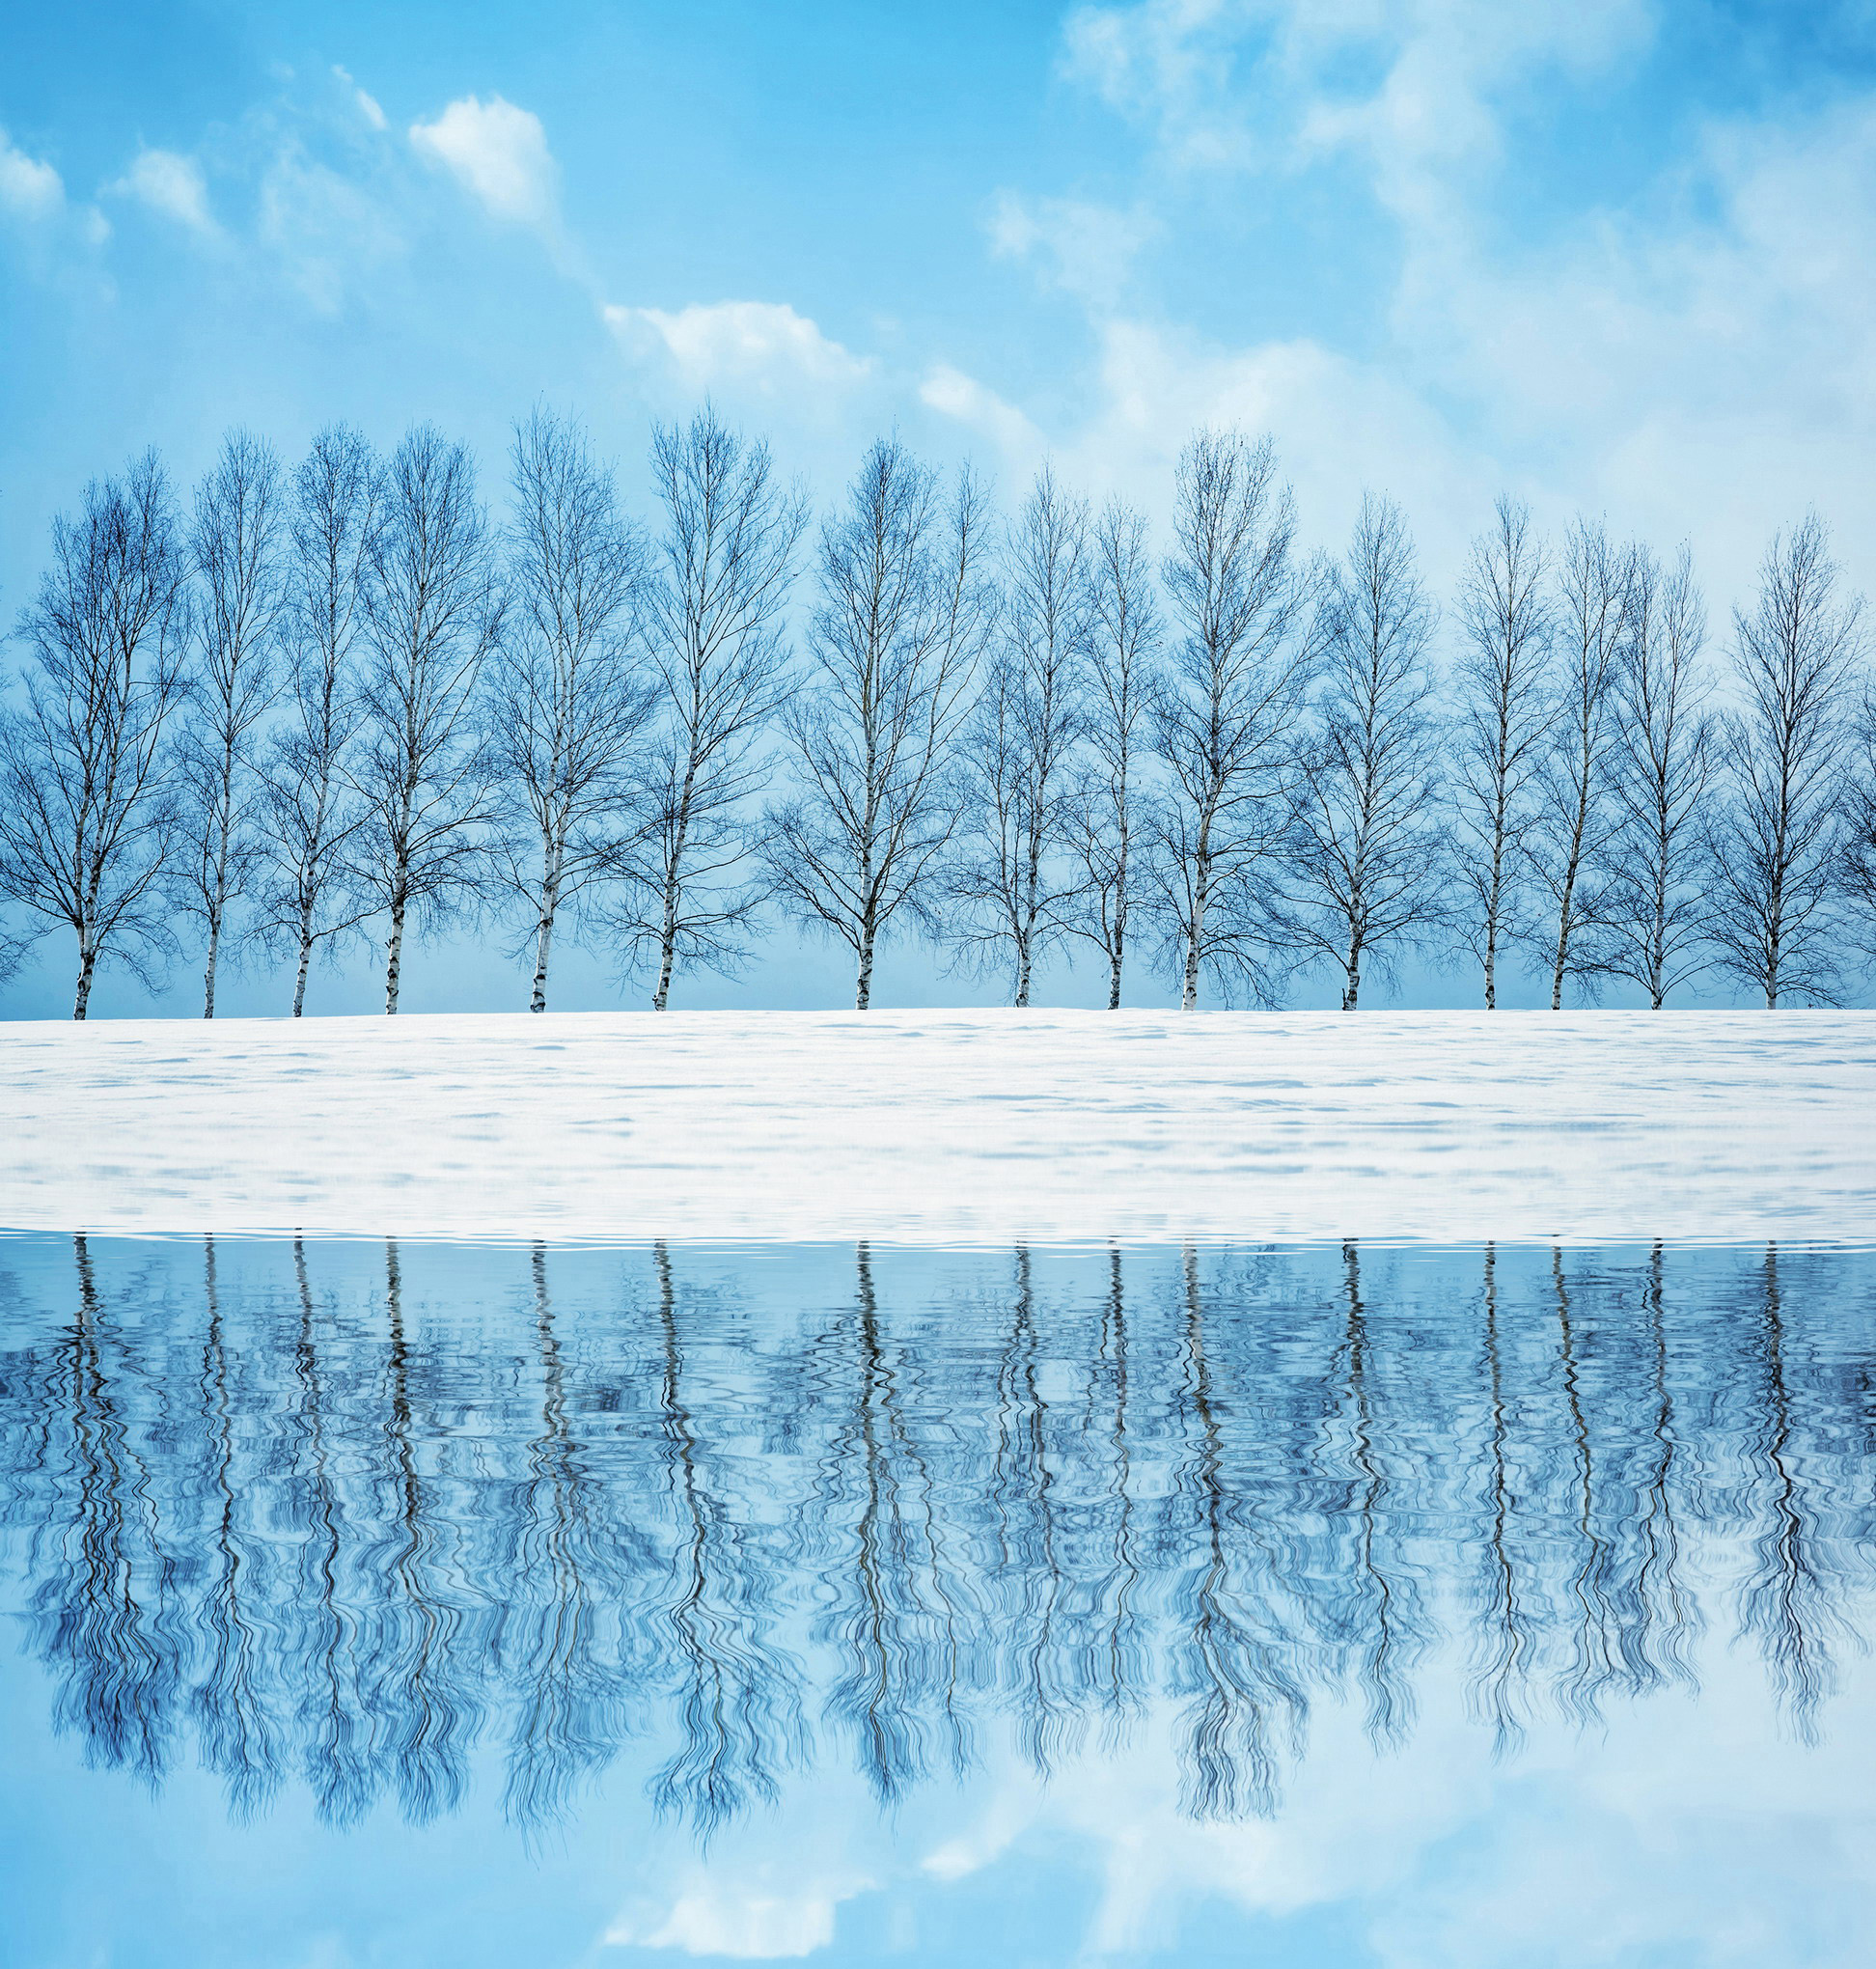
305, 959
542, 942
666, 948
862, 990
1117, 955
1196, 931
393, 957
1026, 941
87, 965
1572, 868
673, 892
544, 937
208, 970
1352, 992
1493, 905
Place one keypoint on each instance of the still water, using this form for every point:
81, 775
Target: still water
441, 1605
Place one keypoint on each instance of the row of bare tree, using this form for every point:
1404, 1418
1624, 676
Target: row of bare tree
340, 699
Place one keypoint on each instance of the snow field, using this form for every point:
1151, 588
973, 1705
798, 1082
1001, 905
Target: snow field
974, 1128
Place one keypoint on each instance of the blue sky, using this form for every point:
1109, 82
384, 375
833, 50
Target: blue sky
1611, 255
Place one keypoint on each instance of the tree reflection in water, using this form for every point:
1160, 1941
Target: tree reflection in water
333, 1532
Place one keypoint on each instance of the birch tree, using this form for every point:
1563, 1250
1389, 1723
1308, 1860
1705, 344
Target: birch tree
312, 812
1229, 718
1367, 875
1777, 850
715, 622
1663, 774
86, 822
432, 614
570, 695
1568, 852
233, 681
1011, 880
1110, 805
1503, 728
902, 619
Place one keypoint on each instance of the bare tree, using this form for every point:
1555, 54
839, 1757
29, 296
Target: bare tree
432, 614
570, 696
1568, 846
718, 640
1367, 864
1107, 810
1664, 768
311, 812
1010, 881
902, 621
1228, 718
1777, 850
235, 544
86, 825
1503, 725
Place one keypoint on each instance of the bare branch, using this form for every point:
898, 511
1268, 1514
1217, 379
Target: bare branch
1010, 882
233, 681
1228, 720
716, 631
432, 614
1109, 813
1364, 879
1778, 852
903, 618
1503, 721
87, 826
569, 694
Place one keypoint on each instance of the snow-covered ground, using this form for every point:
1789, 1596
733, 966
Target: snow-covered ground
952, 1127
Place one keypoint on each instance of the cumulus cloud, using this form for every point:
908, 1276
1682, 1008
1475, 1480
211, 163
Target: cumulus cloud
763, 346
499, 154
169, 184
29, 188
1085, 249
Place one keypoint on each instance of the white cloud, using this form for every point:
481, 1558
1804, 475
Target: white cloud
954, 395
1699, 362
1085, 249
1168, 62
366, 104
169, 184
1237, 82
29, 188
1339, 426
759, 346
752, 1912
498, 153
327, 229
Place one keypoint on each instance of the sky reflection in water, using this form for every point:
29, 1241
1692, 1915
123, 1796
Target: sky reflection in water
461, 1606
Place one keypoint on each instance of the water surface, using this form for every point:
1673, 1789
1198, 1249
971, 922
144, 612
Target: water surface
444, 1605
